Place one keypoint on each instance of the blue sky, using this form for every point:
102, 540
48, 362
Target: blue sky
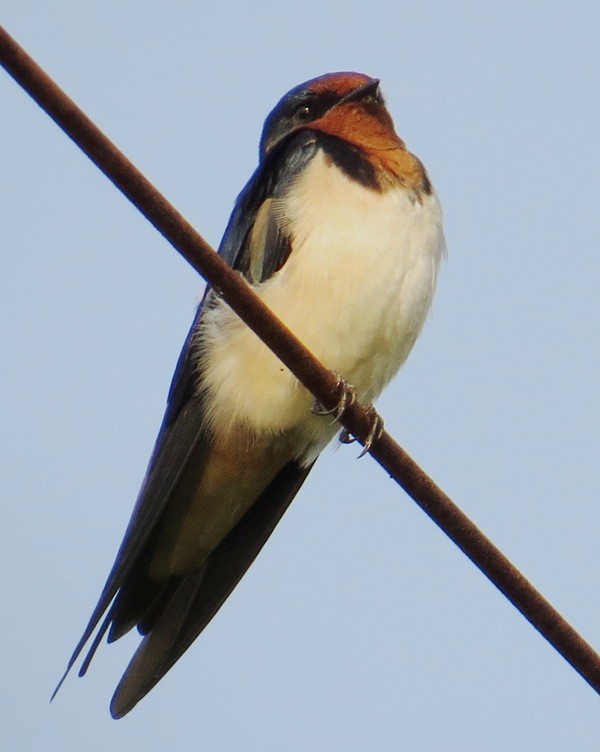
360, 626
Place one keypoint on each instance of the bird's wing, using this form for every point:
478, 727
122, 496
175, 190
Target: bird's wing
256, 245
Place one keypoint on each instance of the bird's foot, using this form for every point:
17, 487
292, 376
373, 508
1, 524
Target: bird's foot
347, 394
375, 432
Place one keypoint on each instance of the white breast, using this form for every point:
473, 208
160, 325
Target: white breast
355, 289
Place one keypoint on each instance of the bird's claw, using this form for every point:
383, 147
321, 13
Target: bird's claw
346, 437
347, 397
375, 432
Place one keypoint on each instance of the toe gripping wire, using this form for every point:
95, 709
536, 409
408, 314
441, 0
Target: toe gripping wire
347, 397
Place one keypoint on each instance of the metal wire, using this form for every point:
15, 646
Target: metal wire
316, 378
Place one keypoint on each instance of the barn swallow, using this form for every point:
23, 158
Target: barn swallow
339, 232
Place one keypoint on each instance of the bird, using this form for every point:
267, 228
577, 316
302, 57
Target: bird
339, 232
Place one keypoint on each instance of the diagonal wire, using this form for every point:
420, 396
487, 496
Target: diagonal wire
315, 377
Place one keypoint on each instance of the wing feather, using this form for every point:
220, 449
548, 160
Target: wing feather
257, 249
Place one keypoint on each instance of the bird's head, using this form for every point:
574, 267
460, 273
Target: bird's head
340, 104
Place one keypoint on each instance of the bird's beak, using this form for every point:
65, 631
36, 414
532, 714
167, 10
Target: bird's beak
370, 87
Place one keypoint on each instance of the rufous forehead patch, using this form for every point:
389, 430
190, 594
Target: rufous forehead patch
339, 83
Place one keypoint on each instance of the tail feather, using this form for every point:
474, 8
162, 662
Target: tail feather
200, 594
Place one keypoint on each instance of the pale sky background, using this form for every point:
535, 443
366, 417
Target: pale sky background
360, 627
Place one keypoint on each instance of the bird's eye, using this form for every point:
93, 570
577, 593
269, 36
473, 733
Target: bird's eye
304, 112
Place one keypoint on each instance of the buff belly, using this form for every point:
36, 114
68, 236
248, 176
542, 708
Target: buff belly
356, 290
